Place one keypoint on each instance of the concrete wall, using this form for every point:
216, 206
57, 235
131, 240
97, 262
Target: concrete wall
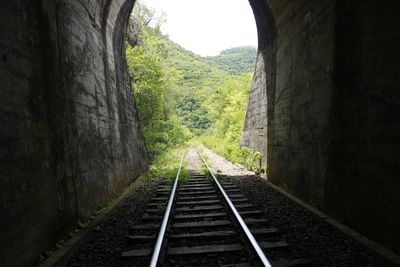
324, 111
364, 171
69, 130
326, 119
255, 133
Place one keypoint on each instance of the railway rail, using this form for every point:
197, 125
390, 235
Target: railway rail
203, 222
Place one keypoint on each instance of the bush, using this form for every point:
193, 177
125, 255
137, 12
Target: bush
234, 153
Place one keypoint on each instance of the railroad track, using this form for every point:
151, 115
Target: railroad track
203, 223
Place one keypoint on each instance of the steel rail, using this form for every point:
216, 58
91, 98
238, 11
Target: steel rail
261, 256
161, 234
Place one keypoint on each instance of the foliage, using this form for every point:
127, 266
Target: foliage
252, 161
196, 72
180, 94
166, 165
227, 107
237, 60
193, 114
147, 16
154, 88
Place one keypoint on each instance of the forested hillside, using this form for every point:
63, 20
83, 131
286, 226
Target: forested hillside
237, 60
181, 96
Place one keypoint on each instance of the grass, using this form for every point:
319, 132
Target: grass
184, 175
162, 207
205, 170
166, 165
78, 228
244, 156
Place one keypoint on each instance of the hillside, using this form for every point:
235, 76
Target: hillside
236, 61
180, 95
196, 71
195, 80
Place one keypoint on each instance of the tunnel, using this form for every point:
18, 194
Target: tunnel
324, 112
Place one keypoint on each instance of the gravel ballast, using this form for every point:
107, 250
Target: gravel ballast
308, 235
104, 244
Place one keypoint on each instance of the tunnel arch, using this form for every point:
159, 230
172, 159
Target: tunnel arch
328, 133
264, 76
261, 102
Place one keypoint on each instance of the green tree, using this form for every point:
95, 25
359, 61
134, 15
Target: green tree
237, 60
227, 108
154, 87
180, 94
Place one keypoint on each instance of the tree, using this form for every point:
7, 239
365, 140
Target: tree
153, 84
180, 94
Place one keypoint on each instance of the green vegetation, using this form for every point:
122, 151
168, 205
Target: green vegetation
181, 96
155, 90
166, 165
227, 107
237, 60
252, 161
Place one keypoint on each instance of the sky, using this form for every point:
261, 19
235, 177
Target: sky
207, 27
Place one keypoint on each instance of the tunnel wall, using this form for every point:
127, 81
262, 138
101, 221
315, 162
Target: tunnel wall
364, 185
255, 133
328, 128
69, 130
324, 111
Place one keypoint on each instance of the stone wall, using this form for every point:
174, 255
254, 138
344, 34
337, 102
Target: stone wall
69, 130
329, 127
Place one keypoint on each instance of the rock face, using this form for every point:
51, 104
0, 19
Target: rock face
134, 31
324, 108
69, 130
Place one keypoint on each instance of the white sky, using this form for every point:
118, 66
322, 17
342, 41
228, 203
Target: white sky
208, 26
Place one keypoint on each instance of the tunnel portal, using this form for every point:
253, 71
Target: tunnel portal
324, 113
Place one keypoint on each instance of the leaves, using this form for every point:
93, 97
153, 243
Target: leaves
154, 90
237, 60
180, 94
